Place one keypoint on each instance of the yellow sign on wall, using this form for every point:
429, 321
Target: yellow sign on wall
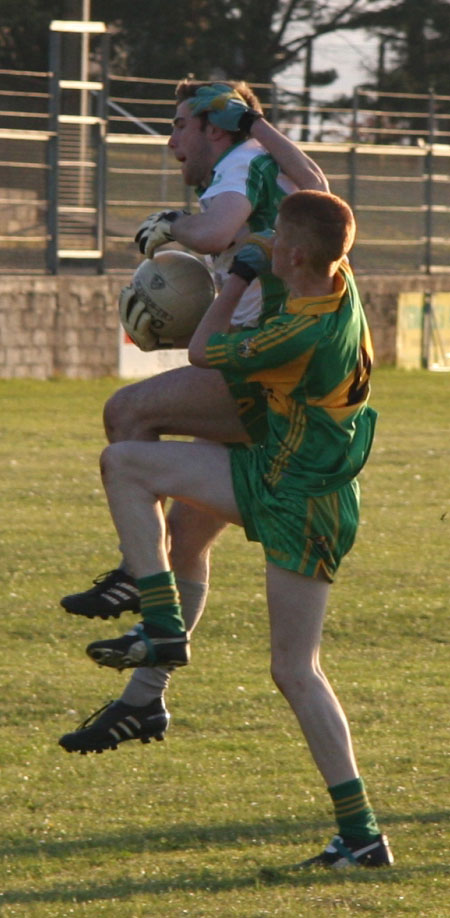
414, 341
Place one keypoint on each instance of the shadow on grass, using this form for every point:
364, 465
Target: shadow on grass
189, 836
186, 836
211, 882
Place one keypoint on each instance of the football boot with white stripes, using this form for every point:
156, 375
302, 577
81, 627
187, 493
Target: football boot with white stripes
113, 593
115, 723
352, 852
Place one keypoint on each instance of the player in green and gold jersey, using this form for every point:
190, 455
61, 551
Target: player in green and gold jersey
295, 492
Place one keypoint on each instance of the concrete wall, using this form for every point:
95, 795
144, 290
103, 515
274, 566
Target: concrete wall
68, 325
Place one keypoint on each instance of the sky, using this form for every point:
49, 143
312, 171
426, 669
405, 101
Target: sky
347, 52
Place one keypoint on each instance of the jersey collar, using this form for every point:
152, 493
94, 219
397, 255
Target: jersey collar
316, 306
202, 188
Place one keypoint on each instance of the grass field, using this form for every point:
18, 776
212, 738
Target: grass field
184, 827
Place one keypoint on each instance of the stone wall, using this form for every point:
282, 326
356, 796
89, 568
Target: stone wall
67, 325
63, 325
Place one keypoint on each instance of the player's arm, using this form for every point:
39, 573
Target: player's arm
299, 168
214, 230
253, 259
229, 111
207, 233
216, 319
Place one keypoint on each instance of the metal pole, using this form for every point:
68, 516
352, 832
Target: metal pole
274, 104
353, 153
355, 110
53, 153
429, 165
102, 106
426, 332
306, 96
84, 103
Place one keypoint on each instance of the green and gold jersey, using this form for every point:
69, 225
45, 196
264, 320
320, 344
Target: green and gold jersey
313, 361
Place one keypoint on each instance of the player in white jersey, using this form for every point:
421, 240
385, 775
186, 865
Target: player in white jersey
239, 164
247, 169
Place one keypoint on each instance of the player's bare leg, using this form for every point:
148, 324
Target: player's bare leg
140, 713
296, 610
134, 474
189, 401
297, 606
193, 533
143, 411
186, 401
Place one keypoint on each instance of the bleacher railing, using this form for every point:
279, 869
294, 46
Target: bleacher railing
387, 154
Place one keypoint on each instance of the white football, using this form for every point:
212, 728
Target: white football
176, 289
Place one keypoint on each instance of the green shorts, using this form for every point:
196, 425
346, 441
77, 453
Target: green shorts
303, 533
252, 408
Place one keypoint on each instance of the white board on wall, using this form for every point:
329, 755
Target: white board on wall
136, 364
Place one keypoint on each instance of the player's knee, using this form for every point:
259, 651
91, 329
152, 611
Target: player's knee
277, 673
291, 676
111, 463
121, 466
136, 412
122, 416
115, 417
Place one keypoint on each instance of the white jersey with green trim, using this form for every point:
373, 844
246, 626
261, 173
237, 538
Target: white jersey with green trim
248, 169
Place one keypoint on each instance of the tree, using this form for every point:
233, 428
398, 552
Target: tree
24, 38
242, 39
417, 35
414, 39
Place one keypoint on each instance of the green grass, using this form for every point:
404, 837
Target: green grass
184, 827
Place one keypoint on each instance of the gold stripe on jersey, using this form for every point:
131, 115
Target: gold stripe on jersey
269, 338
272, 337
307, 314
328, 549
290, 445
335, 504
307, 531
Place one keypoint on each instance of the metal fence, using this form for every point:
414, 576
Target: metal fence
391, 165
